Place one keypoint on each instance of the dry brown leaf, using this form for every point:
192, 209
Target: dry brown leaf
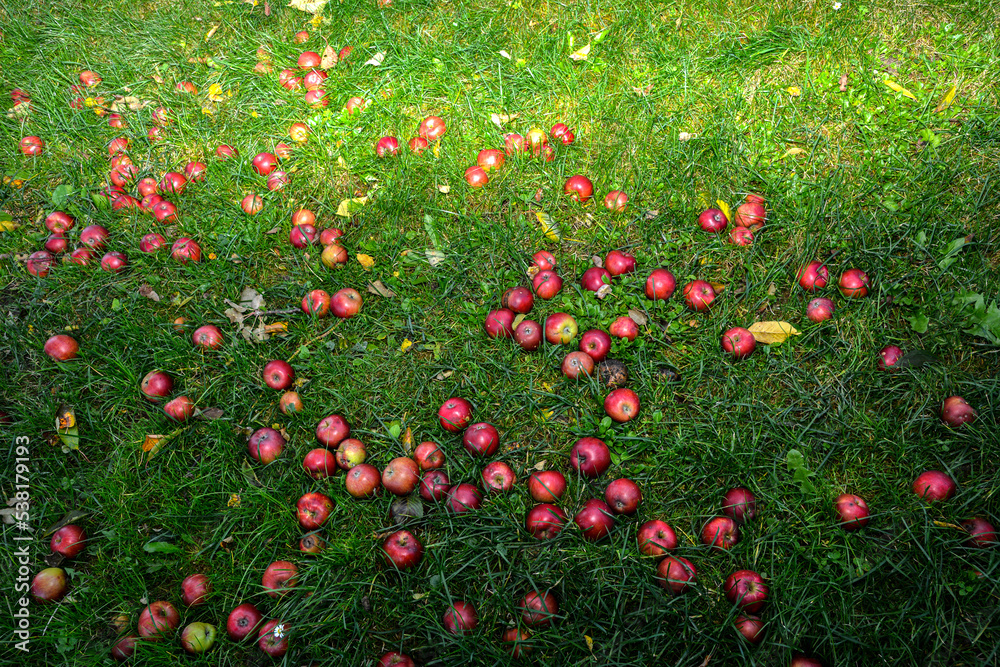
408, 441
844, 79
147, 291
276, 328
638, 317
209, 414
329, 58
642, 91
274, 230
379, 288
603, 291
443, 375
772, 333
718, 287
251, 299
597, 261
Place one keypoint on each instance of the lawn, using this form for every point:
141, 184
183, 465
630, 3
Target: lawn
871, 130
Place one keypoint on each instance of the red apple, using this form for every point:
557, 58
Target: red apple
579, 188
173, 182
476, 176
853, 283
279, 578
195, 171
195, 590
982, 534
623, 496
94, 237
813, 276
595, 519
750, 214
278, 374
498, 477
615, 201
395, 659
387, 147
61, 347
32, 146
595, 278
576, 364
355, 104
660, 285
590, 457
277, 180
225, 152
544, 260
738, 342
528, 334
49, 585
68, 541
538, 608
185, 250
618, 263
481, 439
852, 511
316, 302
89, 78
346, 303
595, 343
490, 159
124, 648
252, 204
300, 37
432, 128
546, 284
934, 485
179, 409
333, 255
455, 414
656, 538
265, 445
418, 145
401, 476
351, 452
290, 403
546, 486
114, 261
739, 504
800, 660
676, 574
320, 463
461, 618
499, 323
747, 590
560, 328
820, 309
713, 220
186, 87
624, 327
434, 485
622, 405
429, 455
207, 337
518, 299
955, 411
312, 544
313, 79
313, 510
751, 627
309, 60
157, 620
513, 144
273, 638
265, 163
363, 481
329, 237
39, 263
403, 550
165, 211
741, 236
156, 385
299, 132
720, 533
152, 242
545, 521
59, 222
889, 356
699, 295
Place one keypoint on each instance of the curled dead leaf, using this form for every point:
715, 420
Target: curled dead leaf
329, 58
638, 317
379, 288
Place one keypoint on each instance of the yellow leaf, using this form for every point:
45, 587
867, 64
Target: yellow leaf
329, 59
590, 643
366, 261
311, 6
437, 148
349, 206
580, 54
211, 32
215, 93
151, 442
549, 227
408, 440
794, 91
772, 333
718, 287
899, 89
276, 327
946, 101
795, 150
407, 344
724, 207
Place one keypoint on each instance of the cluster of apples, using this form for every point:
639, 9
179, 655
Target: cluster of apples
311, 73
749, 218
430, 130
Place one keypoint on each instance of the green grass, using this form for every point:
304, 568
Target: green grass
879, 181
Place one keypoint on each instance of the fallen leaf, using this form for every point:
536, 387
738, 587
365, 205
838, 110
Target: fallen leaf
209, 414
66, 428
946, 101
251, 299
899, 89
443, 375
772, 333
380, 289
794, 150
310, 6
21, 110
276, 328
406, 345
548, 226
651, 214
638, 317
211, 32
686, 136
329, 58
580, 54
794, 91
603, 291
772, 289
597, 261
151, 442
539, 466
154, 444
274, 230
642, 91
376, 60
844, 79
590, 643
444, 188
349, 206
217, 94
434, 257
147, 291
724, 207
500, 118
718, 287
366, 261
505, 55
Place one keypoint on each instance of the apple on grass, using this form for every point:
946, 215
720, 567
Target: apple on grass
429, 455
739, 343
158, 619
273, 638
481, 439
207, 337
622, 405
624, 327
463, 498
434, 485
934, 486
313, 510
265, 445
124, 648
889, 356
350, 453
243, 622
751, 627
460, 618
590, 457
739, 504
713, 220
363, 481
179, 409
401, 476
982, 534
577, 364
346, 303
618, 263
820, 309
656, 538
538, 608
545, 521
955, 412
395, 659
660, 285
852, 511
595, 519
197, 638
498, 477
699, 295
402, 550
290, 403
676, 574
68, 541
853, 283
546, 284
528, 334
195, 590
279, 578
331, 430
49, 585
455, 414
499, 323
518, 299
747, 590
560, 328
595, 278
802, 660
720, 533
596, 343
278, 374
546, 486
623, 496
813, 276
61, 347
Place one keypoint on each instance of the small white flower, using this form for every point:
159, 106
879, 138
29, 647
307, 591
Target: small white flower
278, 631
837, 6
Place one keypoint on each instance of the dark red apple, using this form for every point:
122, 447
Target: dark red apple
518, 299
545, 521
165, 212
656, 538
124, 648
303, 236
455, 414
403, 550
528, 334
498, 477
49, 585
401, 476
279, 578
499, 323
538, 608
820, 309
751, 627
56, 243
513, 144
955, 412
660, 285
624, 327
185, 250
152, 242
546, 284
741, 236
595, 278
94, 237
595, 519
720, 533
320, 463
265, 445
195, 590
853, 283
982, 534
61, 347
800, 660
516, 642
546, 486
363, 481
278, 374
434, 485
429, 455
114, 261
813, 276
623, 496
544, 260
889, 356
463, 498
179, 409
316, 302
273, 638
59, 222
676, 574
619, 263
596, 343
224, 152
195, 171
713, 220
747, 590
622, 405
158, 619
207, 337
313, 510
331, 430
590, 457
852, 511
699, 295
934, 485
481, 439
750, 214
738, 342
739, 504
461, 618
395, 659
68, 541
